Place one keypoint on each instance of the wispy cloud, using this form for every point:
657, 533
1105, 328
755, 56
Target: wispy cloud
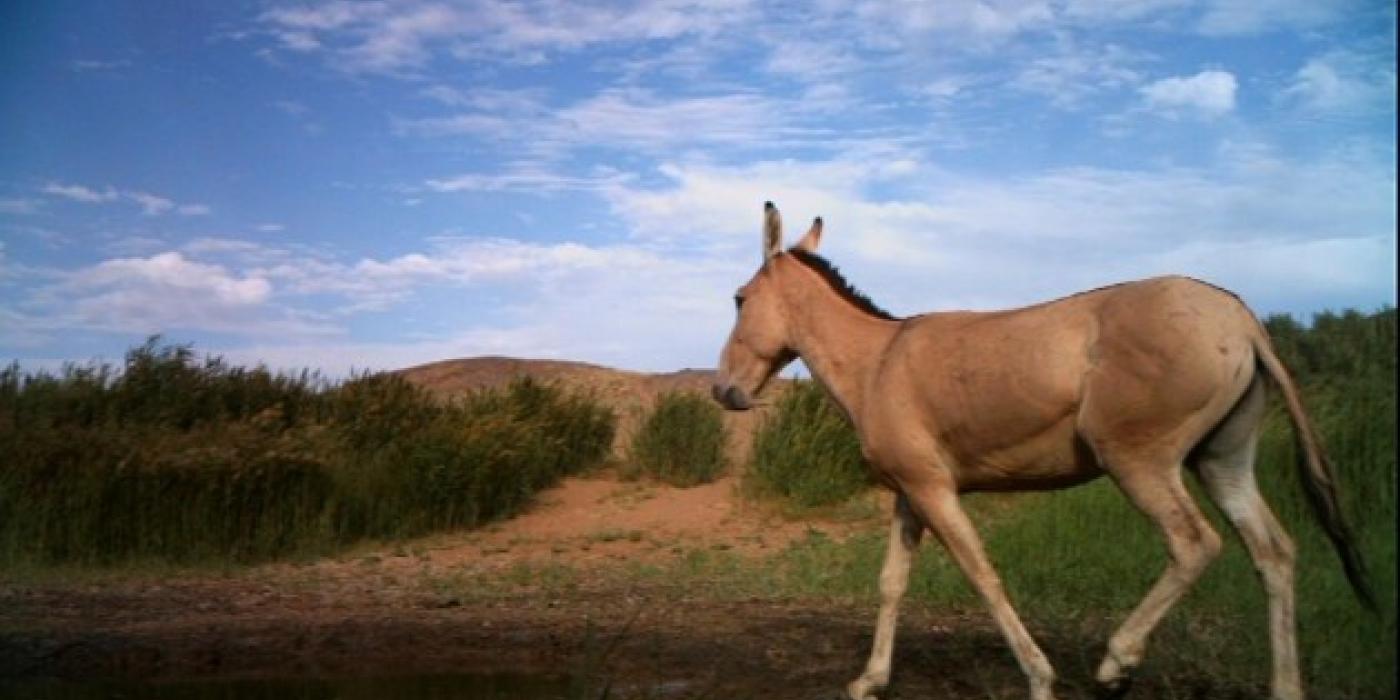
1236, 17
80, 193
151, 204
1344, 82
1073, 73
529, 178
399, 38
1210, 93
634, 118
90, 65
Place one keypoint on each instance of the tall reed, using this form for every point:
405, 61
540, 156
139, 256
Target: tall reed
176, 458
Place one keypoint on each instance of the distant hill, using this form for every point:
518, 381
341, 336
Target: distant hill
630, 394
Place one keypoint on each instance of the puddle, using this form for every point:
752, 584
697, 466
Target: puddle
436, 687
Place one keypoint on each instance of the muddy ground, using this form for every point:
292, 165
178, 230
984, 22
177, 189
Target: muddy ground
642, 642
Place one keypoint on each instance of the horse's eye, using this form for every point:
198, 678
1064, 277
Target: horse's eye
738, 302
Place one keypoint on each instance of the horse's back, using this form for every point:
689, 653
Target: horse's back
1005, 393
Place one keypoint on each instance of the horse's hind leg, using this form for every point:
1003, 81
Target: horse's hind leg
1225, 463
1155, 487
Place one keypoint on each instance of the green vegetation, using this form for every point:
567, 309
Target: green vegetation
680, 443
806, 453
173, 459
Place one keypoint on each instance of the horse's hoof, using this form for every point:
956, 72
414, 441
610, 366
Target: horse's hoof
1116, 688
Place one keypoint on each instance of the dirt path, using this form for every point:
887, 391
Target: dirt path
598, 521
431, 606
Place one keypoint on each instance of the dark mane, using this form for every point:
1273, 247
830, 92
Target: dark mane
828, 272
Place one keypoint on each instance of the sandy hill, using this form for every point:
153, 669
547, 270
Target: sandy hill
630, 394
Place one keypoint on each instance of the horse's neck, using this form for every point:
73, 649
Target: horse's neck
841, 344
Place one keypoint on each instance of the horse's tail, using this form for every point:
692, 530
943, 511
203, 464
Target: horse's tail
1316, 474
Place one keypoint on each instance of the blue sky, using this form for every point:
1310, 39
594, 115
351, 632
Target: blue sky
378, 184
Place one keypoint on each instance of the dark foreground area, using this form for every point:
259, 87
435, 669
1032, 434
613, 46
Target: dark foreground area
240, 638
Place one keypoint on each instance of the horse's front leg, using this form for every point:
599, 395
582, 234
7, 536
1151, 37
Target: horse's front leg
936, 503
905, 531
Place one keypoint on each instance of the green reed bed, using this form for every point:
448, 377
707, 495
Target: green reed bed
681, 442
170, 458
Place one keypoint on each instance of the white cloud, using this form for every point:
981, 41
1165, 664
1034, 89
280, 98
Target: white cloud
172, 271
1100, 11
531, 178
642, 119
810, 60
399, 38
373, 283
89, 65
79, 193
958, 241
327, 15
151, 204
1210, 93
990, 18
1236, 17
1073, 73
162, 293
634, 119
1344, 82
947, 87
627, 309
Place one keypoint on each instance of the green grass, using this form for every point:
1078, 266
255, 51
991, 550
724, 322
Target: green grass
806, 454
171, 459
681, 442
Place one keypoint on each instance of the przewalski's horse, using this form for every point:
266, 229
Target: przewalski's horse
1135, 381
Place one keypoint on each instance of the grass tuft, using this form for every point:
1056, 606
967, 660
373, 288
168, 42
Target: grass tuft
681, 442
806, 453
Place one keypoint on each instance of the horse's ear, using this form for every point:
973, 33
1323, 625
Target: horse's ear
812, 238
772, 230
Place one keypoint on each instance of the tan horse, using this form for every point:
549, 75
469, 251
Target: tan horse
1135, 381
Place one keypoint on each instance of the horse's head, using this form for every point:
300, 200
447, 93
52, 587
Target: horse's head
761, 343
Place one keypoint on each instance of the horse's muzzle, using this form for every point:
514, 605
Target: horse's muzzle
731, 397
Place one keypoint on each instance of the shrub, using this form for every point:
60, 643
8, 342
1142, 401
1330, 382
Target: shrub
681, 442
807, 453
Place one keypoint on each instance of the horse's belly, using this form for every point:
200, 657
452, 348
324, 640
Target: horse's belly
1054, 458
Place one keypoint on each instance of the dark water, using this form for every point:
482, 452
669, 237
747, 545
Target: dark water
439, 687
